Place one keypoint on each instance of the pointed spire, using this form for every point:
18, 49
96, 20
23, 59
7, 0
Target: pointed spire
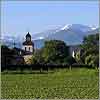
28, 34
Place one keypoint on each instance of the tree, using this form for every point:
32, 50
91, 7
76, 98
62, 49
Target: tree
55, 51
37, 57
91, 50
6, 55
77, 57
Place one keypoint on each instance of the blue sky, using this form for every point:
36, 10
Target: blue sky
18, 17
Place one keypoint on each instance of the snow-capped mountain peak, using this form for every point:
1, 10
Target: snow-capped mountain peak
70, 33
65, 27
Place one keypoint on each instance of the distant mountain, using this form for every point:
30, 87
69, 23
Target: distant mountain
94, 31
70, 34
11, 43
39, 43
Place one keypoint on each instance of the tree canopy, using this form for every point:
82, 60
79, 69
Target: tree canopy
55, 51
91, 50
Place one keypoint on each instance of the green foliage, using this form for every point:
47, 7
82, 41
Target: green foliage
37, 57
62, 84
92, 60
70, 60
6, 55
91, 40
89, 60
91, 50
10, 56
78, 57
54, 51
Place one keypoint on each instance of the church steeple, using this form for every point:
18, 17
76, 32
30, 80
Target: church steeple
28, 45
28, 37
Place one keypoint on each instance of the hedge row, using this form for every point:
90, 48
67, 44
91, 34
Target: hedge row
43, 66
76, 65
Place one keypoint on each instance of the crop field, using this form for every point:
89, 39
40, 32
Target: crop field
76, 83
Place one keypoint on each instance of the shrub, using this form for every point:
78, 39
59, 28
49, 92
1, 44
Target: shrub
70, 60
78, 65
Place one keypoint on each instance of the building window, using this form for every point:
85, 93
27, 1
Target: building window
25, 48
29, 48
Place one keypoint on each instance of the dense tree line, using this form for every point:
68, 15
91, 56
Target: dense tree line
55, 54
90, 48
10, 56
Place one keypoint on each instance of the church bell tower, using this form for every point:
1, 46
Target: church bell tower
28, 45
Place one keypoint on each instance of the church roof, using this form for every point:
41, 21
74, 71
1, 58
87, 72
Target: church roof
28, 35
28, 43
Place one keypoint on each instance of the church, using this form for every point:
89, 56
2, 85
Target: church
28, 45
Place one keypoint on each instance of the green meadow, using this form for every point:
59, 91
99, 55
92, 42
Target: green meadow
62, 83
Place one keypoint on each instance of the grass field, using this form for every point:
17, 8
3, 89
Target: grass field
75, 83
